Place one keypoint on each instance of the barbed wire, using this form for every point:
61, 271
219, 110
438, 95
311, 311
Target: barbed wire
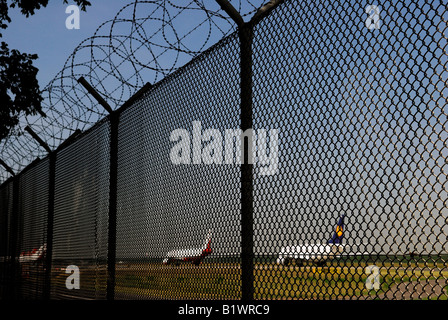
144, 42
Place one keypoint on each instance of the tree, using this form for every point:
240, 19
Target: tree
19, 88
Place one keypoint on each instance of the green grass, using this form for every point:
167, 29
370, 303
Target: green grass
346, 280
271, 282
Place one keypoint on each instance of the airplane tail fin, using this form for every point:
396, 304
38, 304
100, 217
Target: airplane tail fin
208, 240
339, 232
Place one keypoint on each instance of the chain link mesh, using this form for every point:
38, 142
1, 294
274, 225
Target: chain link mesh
363, 117
81, 216
164, 207
352, 203
5, 216
32, 229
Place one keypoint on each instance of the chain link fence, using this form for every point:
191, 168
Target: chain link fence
339, 191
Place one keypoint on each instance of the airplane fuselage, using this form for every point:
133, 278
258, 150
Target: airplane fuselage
33, 256
194, 255
312, 252
184, 255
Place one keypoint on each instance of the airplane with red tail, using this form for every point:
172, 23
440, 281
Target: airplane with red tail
195, 255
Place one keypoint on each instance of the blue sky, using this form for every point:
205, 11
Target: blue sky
361, 124
45, 33
166, 36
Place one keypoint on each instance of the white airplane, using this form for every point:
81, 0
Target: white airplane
190, 255
33, 255
318, 253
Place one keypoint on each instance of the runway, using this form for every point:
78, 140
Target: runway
275, 267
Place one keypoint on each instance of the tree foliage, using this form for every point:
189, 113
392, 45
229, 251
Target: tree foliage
19, 88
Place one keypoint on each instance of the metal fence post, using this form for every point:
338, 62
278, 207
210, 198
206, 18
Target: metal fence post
112, 239
247, 206
2, 163
114, 118
5, 236
245, 33
50, 216
50, 223
13, 235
